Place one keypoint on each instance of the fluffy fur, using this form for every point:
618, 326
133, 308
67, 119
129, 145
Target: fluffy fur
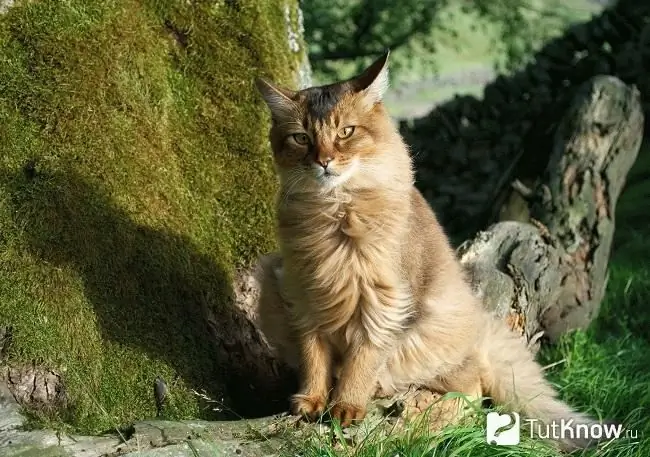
366, 293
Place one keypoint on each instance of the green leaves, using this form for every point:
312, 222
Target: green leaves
345, 35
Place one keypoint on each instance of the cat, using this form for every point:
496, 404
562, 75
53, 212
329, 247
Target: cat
366, 294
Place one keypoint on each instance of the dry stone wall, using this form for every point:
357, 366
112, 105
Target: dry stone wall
469, 150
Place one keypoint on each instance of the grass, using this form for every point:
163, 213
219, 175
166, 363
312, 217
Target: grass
604, 370
131, 136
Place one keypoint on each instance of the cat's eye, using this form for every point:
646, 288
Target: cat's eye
301, 138
346, 132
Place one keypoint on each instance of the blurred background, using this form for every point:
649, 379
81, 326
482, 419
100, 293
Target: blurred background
440, 48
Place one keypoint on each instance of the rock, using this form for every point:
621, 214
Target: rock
144, 439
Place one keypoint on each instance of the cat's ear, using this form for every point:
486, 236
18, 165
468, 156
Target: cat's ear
373, 82
278, 99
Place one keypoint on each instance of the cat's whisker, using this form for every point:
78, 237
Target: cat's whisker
286, 189
292, 181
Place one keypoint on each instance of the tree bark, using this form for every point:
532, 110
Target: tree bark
549, 277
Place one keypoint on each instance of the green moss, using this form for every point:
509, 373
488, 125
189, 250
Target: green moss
134, 178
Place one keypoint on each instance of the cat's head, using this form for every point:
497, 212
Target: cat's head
333, 135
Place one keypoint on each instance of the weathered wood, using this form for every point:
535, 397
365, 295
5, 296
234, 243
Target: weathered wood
551, 278
514, 269
595, 147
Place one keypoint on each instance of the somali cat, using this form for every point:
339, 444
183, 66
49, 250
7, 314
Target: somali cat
366, 294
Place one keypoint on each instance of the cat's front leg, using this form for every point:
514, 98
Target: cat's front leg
356, 383
315, 374
385, 311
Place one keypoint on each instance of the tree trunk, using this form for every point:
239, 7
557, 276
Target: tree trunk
550, 277
83, 234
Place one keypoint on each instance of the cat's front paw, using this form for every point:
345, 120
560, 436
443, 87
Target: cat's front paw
310, 407
347, 413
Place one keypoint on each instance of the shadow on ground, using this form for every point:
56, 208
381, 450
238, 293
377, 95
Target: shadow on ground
149, 289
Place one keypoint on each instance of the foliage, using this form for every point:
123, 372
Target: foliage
131, 135
344, 35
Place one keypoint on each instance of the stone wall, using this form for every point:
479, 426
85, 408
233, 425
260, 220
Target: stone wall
469, 150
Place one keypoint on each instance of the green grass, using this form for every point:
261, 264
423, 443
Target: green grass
131, 138
604, 370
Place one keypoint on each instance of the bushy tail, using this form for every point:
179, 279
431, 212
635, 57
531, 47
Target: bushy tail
512, 378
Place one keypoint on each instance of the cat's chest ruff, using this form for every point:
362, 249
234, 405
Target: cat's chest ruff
342, 237
334, 258
321, 225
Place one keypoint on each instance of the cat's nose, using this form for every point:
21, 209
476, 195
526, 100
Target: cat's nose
324, 162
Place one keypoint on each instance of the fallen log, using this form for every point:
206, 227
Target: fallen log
549, 276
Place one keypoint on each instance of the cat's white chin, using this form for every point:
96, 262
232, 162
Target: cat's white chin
335, 178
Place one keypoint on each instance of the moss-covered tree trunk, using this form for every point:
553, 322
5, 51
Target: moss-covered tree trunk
136, 186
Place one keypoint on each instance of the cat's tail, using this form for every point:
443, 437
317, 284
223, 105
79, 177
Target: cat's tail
512, 378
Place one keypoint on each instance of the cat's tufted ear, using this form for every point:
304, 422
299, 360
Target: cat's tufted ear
373, 82
278, 99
